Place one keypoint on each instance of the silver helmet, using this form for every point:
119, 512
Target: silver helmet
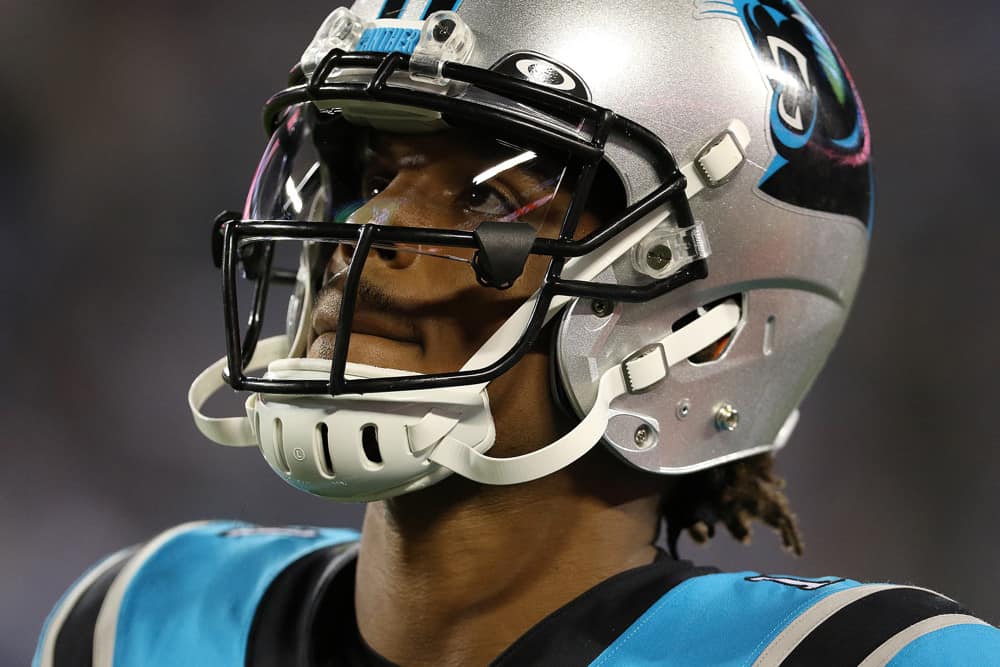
723, 143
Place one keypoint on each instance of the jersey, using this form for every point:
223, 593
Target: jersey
232, 594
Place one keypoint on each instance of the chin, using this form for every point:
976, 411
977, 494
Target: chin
373, 351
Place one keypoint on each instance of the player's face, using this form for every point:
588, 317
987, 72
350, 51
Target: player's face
420, 308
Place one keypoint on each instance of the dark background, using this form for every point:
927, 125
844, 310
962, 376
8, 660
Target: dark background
127, 126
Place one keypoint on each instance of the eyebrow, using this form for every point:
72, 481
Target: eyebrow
537, 167
413, 161
377, 148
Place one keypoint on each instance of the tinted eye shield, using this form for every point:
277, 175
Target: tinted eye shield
500, 248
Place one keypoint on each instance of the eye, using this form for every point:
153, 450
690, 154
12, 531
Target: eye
488, 200
373, 185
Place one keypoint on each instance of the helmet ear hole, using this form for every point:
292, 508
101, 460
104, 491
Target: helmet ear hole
713, 352
717, 349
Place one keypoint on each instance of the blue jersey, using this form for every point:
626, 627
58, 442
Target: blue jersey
224, 594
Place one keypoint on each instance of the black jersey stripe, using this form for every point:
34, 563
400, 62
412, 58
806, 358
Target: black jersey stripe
581, 630
74, 645
286, 628
392, 9
440, 6
852, 633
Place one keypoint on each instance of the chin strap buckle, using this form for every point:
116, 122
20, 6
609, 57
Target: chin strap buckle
651, 365
645, 368
720, 160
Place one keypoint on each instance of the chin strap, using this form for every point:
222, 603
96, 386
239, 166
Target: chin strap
652, 366
230, 431
638, 373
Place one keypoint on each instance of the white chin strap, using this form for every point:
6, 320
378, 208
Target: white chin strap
373, 446
416, 438
639, 373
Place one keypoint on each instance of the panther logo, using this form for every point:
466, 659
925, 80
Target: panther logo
817, 124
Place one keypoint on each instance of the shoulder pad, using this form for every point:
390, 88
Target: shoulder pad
188, 596
748, 618
67, 636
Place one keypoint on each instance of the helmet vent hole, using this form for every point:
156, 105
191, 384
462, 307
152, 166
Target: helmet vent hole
717, 349
279, 447
323, 444
369, 442
769, 335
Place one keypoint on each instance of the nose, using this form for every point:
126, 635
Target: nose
384, 209
388, 256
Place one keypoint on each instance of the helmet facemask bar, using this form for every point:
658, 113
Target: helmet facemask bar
237, 235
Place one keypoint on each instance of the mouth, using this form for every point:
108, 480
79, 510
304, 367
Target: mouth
374, 334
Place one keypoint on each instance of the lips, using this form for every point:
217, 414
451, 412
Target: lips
366, 322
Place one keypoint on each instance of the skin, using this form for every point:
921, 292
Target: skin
454, 574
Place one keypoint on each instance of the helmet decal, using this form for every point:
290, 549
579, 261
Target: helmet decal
817, 125
440, 6
392, 9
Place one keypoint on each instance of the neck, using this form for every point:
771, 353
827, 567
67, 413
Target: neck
454, 574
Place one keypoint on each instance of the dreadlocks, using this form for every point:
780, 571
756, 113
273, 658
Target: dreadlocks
734, 494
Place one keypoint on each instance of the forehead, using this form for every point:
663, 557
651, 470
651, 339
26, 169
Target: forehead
459, 150
451, 143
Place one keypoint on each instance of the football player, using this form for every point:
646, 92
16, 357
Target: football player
558, 277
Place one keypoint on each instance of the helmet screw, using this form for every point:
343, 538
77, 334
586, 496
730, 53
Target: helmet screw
683, 409
443, 30
658, 257
643, 437
727, 418
602, 307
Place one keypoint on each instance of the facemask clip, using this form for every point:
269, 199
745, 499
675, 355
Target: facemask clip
445, 38
342, 30
503, 250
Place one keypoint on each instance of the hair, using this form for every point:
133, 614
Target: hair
735, 495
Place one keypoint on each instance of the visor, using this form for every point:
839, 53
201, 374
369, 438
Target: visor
320, 167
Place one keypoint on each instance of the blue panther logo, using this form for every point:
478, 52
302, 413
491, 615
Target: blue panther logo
817, 124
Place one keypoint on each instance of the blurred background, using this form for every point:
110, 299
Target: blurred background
127, 126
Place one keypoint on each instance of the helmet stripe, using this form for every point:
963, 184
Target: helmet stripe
441, 6
392, 9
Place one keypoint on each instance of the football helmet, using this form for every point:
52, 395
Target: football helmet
681, 190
